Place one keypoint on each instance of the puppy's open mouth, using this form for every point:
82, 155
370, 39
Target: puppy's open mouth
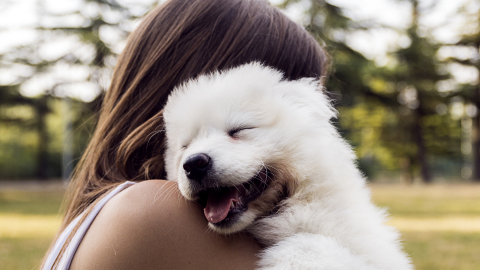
224, 204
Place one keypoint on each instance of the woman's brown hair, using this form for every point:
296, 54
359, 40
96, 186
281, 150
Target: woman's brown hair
175, 42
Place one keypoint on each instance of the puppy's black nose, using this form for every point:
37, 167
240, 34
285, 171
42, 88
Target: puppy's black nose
196, 166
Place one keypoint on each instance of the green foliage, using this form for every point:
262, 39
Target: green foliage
17, 157
388, 113
470, 93
32, 127
20, 143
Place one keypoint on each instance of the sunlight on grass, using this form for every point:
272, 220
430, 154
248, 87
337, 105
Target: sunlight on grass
28, 222
28, 226
445, 224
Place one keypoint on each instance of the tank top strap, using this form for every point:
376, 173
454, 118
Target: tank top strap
72, 247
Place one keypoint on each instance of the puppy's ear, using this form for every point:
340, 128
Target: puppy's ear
308, 94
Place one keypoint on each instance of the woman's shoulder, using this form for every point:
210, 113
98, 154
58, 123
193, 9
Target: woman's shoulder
150, 225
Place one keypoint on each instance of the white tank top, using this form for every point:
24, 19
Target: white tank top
67, 257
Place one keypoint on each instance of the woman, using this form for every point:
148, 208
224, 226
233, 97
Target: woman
148, 225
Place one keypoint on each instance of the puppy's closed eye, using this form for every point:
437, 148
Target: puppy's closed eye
234, 132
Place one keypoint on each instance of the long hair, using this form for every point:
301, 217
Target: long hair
177, 41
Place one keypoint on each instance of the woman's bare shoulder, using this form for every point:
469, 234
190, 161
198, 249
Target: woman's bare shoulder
151, 226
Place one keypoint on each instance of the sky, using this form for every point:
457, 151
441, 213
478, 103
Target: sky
18, 16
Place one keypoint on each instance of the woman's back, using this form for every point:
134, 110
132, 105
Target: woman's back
150, 226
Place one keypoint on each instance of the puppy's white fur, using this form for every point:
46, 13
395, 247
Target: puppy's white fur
328, 222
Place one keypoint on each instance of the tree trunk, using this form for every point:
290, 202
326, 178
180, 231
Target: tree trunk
476, 138
421, 149
42, 153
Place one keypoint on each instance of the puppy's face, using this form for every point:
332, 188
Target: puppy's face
231, 144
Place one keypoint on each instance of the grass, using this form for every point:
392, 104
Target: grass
429, 201
440, 224
18, 253
29, 221
39, 203
443, 250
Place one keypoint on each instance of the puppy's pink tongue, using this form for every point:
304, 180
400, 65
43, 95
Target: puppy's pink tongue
218, 204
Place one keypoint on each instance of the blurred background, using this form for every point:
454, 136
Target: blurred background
404, 77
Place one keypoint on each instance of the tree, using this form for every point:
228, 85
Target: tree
354, 84
470, 39
388, 113
100, 28
418, 73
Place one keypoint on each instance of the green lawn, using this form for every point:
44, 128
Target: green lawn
28, 222
440, 224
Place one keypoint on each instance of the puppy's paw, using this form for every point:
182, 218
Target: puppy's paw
311, 251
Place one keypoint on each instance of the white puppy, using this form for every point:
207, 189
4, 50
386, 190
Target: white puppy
259, 154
